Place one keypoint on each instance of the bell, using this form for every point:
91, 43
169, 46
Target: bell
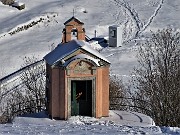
74, 33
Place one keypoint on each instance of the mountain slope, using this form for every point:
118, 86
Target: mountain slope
39, 39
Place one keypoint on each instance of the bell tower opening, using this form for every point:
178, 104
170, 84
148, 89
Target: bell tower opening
73, 30
74, 34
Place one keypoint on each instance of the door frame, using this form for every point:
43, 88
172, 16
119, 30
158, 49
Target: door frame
93, 79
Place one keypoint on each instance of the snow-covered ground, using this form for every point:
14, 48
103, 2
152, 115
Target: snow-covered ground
39, 39
119, 123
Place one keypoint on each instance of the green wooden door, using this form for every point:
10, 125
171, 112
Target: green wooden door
74, 102
81, 97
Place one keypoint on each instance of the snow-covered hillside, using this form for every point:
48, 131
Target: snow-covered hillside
37, 40
37, 29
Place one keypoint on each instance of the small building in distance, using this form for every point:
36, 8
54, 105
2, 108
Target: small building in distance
77, 80
7, 2
115, 36
18, 5
14, 3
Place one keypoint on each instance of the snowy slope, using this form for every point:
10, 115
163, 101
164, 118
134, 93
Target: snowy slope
100, 14
37, 40
42, 37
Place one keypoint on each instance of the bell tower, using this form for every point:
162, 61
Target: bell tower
73, 30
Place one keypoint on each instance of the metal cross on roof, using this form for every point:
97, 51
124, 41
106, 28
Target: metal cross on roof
73, 12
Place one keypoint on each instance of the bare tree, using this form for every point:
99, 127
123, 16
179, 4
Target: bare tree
117, 94
34, 79
8, 104
3, 97
157, 78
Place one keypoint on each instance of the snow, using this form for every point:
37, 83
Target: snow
63, 50
41, 124
130, 118
100, 14
18, 4
116, 124
40, 39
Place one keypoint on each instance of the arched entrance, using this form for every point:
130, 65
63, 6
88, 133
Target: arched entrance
81, 95
81, 86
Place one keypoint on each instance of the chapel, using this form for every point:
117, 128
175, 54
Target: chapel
77, 76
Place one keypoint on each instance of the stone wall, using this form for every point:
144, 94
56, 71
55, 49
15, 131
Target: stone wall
7, 2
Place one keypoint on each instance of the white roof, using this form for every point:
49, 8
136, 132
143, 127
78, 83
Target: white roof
65, 49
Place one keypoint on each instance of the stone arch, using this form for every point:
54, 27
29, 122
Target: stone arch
82, 60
